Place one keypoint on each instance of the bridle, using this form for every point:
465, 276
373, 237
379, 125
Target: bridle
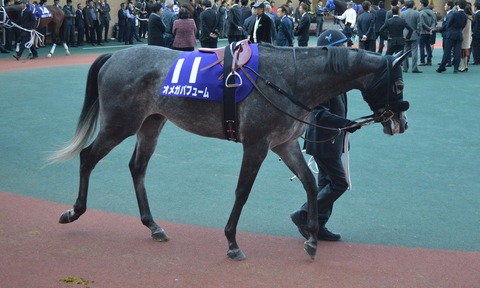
386, 114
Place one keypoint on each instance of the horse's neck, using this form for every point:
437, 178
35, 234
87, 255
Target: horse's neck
354, 71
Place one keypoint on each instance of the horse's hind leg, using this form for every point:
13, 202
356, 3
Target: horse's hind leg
253, 156
146, 143
89, 157
292, 156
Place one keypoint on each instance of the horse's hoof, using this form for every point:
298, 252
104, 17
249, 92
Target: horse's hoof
160, 235
49, 55
68, 54
311, 249
67, 217
236, 254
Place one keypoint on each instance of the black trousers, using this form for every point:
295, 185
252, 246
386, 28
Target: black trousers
95, 32
332, 183
24, 38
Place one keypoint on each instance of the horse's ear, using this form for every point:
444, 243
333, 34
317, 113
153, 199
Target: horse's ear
399, 60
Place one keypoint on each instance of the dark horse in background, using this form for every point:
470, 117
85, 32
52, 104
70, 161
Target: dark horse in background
265, 122
53, 23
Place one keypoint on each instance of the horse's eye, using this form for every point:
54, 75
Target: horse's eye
399, 86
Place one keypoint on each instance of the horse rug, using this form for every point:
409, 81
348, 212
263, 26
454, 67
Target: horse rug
186, 77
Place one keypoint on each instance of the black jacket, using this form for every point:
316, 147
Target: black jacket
332, 114
209, 22
395, 26
264, 29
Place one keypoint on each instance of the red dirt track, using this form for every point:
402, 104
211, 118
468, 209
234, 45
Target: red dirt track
111, 250
9, 64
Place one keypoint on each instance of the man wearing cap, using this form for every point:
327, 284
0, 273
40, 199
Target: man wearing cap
350, 17
261, 31
332, 181
27, 21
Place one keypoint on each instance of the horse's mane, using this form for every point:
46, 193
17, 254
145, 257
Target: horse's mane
338, 59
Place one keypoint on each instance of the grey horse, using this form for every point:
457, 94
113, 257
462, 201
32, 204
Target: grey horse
123, 94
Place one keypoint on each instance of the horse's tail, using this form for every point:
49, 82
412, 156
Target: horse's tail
87, 121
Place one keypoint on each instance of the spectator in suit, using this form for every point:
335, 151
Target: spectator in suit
332, 181
235, 24
395, 26
285, 27
454, 37
476, 35
448, 9
380, 17
366, 28
80, 24
27, 21
168, 17
303, 29
93, 22
209, 21
104, 11
412, 17
222, 15
122, 22
156, 28
428, 24
320, 11
273, 18
261, 30
69, 24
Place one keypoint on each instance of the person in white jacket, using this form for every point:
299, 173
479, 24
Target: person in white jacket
350, 17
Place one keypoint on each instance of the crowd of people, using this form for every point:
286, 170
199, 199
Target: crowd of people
413, 29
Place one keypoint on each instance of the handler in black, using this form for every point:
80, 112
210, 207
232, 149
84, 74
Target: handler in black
27, 21
332, 182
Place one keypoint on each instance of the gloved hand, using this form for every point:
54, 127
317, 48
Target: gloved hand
352, 127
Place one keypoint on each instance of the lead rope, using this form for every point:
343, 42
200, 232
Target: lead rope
33, 33
346, 165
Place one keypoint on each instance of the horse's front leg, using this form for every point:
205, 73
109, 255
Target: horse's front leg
146, 142
253, 156
292, 156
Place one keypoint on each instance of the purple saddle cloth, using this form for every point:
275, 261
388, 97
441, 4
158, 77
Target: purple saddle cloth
187, 79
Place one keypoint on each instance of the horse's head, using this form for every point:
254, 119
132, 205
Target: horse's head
384, 95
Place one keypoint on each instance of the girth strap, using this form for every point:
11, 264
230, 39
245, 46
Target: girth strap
229, 107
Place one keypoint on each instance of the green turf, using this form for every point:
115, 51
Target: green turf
419, 189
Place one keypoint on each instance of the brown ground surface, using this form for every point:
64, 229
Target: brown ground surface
10, 64
111, 250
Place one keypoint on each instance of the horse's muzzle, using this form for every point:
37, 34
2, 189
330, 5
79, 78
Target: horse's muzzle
396, 125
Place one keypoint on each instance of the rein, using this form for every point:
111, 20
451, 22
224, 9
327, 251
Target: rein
366, 120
